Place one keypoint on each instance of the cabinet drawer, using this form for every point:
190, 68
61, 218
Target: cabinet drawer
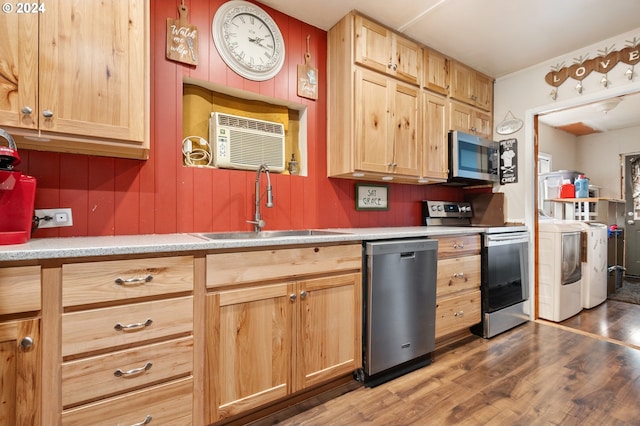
93, 282
19, 289
458, 245
91, 378
457, 313
166, 404
263, 265
457, 274
95, 329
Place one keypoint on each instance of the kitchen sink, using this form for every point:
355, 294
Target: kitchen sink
267, 234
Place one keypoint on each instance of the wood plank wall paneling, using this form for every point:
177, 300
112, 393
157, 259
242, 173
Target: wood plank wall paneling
124, 197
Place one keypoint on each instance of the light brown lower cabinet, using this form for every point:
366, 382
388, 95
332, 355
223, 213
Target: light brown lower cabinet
20, 385
458, 303
268, 340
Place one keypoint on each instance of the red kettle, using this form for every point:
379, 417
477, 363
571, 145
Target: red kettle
8, 155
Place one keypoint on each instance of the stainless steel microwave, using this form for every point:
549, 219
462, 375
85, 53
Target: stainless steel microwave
472, 159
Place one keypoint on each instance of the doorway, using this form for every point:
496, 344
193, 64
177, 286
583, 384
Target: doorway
632, 215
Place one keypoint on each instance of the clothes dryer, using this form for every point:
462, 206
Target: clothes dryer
559, 269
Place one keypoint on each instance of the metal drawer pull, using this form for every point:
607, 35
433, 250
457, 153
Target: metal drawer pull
459, 314
134, 281
458, 275
146, 421
133, 327
458, 245
133, 372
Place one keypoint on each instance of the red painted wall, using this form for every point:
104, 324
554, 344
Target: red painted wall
120, 197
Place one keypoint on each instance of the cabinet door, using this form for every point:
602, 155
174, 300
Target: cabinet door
92, 68
373, 146
481, 124
461, 81
372, 45
435, 149
407, 60
460, 117
20, 384
483, 92
407, 139
329, 328
18, 69
249, 345
436, 71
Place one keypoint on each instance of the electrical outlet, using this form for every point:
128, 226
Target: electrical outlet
58, 217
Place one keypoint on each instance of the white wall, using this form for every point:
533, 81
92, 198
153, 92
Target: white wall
599, 158
525, 93
562, 146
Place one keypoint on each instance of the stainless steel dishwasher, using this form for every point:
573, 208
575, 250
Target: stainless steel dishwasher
399, 308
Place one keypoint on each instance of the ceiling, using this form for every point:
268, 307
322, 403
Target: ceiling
496, 37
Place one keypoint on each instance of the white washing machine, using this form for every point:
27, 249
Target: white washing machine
559, 269
594, 267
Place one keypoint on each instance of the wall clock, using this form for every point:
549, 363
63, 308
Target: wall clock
248, 40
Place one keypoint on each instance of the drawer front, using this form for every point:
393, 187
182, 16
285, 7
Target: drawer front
19, 289
263, 265
458, 274
93, 282
458, 245
166, 404
91, 378
99, 329
457, 313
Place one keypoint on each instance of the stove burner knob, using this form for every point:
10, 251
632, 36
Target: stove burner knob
434, 208
439, 208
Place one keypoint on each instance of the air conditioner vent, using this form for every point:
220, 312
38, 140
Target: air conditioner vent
246, 123
245, 143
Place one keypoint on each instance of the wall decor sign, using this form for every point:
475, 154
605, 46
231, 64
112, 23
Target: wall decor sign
508, 161
182, 39
307, 77
606, 60
372, 197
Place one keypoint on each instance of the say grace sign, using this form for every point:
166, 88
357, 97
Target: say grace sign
372, 197
601, 64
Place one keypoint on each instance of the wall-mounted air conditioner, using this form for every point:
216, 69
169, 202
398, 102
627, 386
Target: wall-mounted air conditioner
245, 143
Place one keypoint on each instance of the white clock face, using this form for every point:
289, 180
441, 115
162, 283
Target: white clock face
248, 40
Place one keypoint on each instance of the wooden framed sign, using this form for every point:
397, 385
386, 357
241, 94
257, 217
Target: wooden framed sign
372, 197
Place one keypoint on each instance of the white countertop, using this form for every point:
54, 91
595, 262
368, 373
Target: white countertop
56, 248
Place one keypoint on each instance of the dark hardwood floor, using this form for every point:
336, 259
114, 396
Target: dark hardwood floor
583, 371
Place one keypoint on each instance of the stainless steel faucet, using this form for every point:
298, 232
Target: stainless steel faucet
258, 223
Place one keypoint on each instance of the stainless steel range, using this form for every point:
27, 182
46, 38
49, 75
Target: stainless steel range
505, 274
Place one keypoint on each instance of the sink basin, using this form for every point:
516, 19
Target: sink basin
266, 234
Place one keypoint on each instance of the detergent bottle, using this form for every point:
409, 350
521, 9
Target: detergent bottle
582, 186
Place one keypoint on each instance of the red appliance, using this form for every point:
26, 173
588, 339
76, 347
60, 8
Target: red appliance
17, 194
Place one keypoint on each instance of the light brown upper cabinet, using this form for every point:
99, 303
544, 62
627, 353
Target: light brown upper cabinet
471, 87
382, 50
471, 120
436, 71
373, 130
435, 121
386, 124
75, 77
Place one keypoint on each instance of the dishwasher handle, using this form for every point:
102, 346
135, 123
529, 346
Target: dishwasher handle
502, 239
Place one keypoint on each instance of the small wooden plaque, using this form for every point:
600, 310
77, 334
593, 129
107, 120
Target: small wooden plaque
182, 39
307, 79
